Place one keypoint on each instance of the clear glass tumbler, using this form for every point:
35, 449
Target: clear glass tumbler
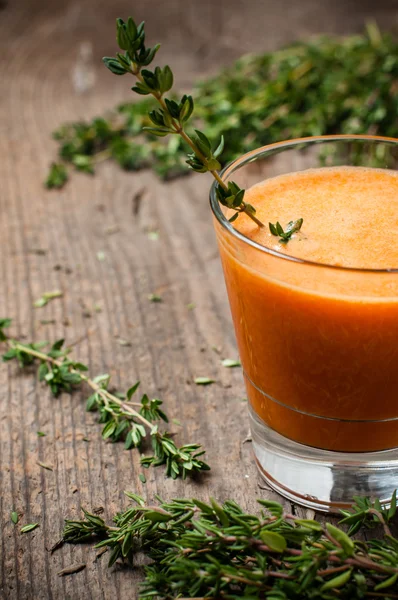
326, 333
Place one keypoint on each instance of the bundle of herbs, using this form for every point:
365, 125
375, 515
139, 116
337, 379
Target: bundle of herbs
205, 550
325, 85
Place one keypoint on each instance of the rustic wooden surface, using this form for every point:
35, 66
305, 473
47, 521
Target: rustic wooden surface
50, 73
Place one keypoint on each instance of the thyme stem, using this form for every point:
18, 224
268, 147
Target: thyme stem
121, 418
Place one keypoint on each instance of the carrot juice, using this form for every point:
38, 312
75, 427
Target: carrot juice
318, 331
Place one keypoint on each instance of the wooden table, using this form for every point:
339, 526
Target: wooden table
51, 73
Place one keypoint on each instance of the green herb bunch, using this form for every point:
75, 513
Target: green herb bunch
205, 550
122, 418
326, 85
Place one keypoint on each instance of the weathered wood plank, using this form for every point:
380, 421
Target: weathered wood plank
49, 51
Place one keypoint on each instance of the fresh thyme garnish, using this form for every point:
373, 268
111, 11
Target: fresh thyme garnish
201, 549
286, 234
121, 417
172, 117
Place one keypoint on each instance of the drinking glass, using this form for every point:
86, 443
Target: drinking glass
318, 343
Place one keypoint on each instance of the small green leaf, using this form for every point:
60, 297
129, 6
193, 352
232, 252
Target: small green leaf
113, 65
92, 402
29, 527
141, 88
108, 430
294, 226
57, 176
234, 217
230, 363
42, 371
220, 512
14, 517
219, 148
41, 434
338, 581
203, 142
46, 297
150, 55
129, 441
205, 508
116, 552
167, 79
274, 540
310, 524
142, 477
274, 508
158, 516
272, 229
123, 342
341, 538
158, 131
122, 36
203, 381
137, 499
40, 302
131, 28
386, 583
155, 298
132, 390
58, 344
393, 506
102, 380
186, 109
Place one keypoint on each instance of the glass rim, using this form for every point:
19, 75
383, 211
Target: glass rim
252, 154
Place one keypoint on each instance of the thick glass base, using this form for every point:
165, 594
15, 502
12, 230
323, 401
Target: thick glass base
322, 479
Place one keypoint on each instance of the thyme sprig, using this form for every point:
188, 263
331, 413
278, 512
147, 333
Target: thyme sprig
172, 116
121, 417
201, 549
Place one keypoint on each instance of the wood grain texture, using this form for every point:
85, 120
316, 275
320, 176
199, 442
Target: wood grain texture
50, 73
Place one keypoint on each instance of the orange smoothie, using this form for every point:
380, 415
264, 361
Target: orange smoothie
318, 344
